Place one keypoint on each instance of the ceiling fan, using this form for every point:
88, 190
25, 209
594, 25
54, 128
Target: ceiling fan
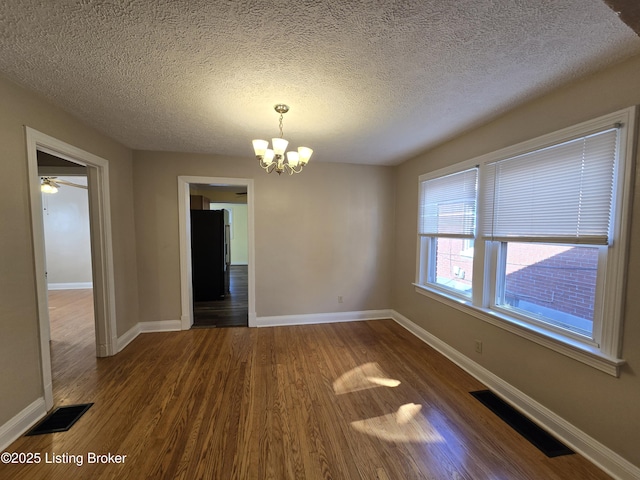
52, 184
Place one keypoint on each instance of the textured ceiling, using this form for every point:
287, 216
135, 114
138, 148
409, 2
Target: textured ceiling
373, 81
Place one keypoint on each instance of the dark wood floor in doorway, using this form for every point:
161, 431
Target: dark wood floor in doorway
231, 311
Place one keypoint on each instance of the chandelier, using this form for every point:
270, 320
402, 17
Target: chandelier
273, 159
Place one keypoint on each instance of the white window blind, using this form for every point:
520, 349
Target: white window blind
562, 193
448, 205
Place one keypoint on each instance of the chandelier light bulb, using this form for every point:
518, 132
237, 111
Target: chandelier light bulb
279, 145
293, 158
260, 146
305, 154
268, 156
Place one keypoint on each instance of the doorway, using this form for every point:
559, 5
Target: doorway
97, 175
69, 272
219, 255
233, 198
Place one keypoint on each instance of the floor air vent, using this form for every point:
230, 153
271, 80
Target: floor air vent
60, 420
546, 443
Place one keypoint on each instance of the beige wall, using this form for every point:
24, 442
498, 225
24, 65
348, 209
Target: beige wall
320, 234
66, 233
20, 376
604, 407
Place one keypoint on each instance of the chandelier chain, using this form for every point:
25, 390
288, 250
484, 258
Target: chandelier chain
281, 134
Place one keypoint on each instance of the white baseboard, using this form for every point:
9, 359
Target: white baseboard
69, 286
594, 451
19, 424
315, 318
129, 336
147, 327
161, 326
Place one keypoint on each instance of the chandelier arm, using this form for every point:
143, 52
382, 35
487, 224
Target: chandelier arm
268, 167
300, 167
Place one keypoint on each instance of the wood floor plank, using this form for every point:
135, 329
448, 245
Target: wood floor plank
360, 400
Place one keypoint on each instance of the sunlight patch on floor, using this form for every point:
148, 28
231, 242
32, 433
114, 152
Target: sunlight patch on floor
368, 375
405, 425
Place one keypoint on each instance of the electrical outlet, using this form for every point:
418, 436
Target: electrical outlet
339, 298
478, 346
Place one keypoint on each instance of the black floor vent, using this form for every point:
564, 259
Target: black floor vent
60, 420
521, 424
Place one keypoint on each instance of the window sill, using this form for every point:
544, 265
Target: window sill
564, 345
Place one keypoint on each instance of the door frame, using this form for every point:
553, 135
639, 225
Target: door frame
184, 221
101, 247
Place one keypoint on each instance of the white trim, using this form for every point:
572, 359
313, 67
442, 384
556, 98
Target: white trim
558, 343
450, 170
594, 451
160, 326
186, 286
147, 327
101, 247
128, 337
70, 286
186, 292
626, 116
318, 318
615, 282
16, 426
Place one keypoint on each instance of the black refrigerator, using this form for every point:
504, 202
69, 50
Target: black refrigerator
210, 254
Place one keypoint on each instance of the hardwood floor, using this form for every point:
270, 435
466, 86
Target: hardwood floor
232, 310
73, 345
360, 400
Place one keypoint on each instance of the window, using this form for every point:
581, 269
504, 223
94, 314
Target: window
547, 259
549, 284
447, 226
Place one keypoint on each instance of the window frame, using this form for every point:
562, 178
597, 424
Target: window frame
603, 352
498, 287
426, 271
